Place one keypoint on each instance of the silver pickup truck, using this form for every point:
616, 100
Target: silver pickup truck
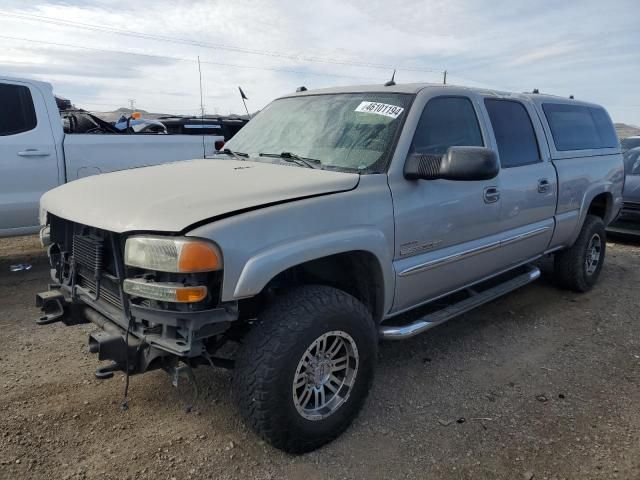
330, 215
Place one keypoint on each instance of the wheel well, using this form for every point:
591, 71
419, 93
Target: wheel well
600, 205
358, 273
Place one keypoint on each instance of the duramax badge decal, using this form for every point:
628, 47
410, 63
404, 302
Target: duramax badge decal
411, 248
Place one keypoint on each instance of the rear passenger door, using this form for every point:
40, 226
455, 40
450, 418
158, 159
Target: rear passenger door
528, 183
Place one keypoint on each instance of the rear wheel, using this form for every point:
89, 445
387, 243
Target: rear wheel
306, 367
578, 267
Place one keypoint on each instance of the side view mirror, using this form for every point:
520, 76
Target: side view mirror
459, 163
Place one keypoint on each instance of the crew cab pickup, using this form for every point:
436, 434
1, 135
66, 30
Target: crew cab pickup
327, 218
36, 154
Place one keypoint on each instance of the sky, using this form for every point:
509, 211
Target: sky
101, 55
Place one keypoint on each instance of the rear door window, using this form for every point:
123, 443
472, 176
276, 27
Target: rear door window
17, 113
446, 122
515, 136
578, 127
606, 130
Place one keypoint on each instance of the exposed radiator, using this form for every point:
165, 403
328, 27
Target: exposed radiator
87, 254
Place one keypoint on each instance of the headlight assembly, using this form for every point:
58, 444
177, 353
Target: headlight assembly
174, 255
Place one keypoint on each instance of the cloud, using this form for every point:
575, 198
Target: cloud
77, 63
540, 54
585, 48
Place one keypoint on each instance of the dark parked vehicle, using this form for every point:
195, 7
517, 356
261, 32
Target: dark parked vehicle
630, 143
226, 126
629, 219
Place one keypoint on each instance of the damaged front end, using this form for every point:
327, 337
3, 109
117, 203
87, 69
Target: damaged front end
155, 299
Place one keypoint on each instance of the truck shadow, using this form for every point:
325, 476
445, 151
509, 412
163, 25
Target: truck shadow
504, 315
624, 238
427, 359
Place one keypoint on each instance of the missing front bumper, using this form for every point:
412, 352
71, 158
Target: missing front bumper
156, 338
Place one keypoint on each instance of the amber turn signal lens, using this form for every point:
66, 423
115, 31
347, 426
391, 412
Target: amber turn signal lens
190, 294
199, 257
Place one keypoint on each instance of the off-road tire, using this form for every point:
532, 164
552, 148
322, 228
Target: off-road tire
267, 361
570, 269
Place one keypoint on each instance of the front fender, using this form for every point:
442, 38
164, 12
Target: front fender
267, 263
259, 244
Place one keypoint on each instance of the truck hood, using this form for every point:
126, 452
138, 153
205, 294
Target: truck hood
171, 197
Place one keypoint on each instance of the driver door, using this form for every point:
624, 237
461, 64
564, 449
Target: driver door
447, 232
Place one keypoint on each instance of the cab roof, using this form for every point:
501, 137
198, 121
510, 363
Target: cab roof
414, 88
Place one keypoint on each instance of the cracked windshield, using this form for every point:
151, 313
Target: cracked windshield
349, 132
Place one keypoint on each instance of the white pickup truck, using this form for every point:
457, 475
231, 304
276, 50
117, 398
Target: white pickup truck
36, 154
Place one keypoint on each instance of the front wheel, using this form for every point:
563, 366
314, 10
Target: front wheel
578, 267
306, 367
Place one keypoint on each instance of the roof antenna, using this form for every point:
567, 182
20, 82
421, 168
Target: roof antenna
391, 82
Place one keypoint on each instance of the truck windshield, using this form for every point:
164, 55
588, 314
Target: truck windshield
349, 132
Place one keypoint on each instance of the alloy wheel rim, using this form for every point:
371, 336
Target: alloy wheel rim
594, 250
325, 375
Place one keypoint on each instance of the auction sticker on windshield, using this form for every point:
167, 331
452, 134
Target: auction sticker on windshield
385, 109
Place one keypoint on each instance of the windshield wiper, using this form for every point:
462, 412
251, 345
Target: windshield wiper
293, 158
236, 155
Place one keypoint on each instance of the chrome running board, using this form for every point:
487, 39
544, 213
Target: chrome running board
475, 299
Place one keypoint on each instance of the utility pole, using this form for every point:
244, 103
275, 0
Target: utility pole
201, 98
204, 150
444, 80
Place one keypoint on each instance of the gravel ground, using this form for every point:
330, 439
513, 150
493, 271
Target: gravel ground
541, 384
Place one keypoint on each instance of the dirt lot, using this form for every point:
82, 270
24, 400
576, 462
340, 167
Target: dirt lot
541, 384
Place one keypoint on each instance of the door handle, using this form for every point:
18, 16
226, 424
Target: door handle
543, 185
491, 194
32, 152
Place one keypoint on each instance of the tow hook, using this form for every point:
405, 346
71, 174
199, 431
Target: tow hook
52, 305
103, 373
181, 369
184, 369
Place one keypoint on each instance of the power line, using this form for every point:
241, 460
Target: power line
233, 65
179, 59
231, 48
